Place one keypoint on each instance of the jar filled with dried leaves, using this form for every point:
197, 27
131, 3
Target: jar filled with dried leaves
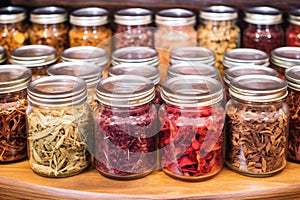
257, 122
35, 57
126, 122
13, 103
59, 126
191, 135
49, 27
292, 32
13, 28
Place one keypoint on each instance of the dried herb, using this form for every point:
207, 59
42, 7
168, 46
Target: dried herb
191, 141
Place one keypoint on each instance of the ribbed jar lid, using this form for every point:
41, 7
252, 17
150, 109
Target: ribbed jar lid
89, 16
286, 56
175, 17
133, 16
218, 13
263, 15
12, 14
125, 91
49, 15
292, 75
294, 16
13, 78
3, 55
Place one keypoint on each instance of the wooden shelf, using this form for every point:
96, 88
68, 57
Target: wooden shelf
17, 181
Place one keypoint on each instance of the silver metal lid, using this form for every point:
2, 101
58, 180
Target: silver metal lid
14, 78
218, 13
133, 16
192, 91
33, 55
263, 15
125, 91
90, 16
49, 15
258, 88
146, 71
12, 14
294, 16
57, 91
3, 55
89, 72
286, 57
175, 17
292, 75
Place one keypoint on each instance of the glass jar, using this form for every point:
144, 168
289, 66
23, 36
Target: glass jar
89, 27
264, 29
218, 31
133, 28
175, 29
245, 56
293, 78
283, 58
257, 122
292, 32
191, 136
13, 103
49, 27
35, 57
13, 28
126, 122
193, 56
241, 70
3, 55
59, 124
89, 72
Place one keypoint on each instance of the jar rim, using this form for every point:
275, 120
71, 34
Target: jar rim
263, 15
89, 16
49, 15
133, 16
294, 16
192, 54
175, 17
12, 14
292, 75
3, 55
285, 56
218, 13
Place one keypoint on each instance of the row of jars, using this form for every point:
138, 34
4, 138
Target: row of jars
217, 30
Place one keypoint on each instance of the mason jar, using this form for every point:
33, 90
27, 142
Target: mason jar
133, 28
13, 103
292, 32
264, 29
35, 57
257, 122
49, 26
126, 121
191, 137
3, 55
59, 125
218, 31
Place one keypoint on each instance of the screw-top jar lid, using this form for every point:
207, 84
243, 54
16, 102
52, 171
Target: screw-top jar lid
241, 70
133, 16
175, 17
125, 91
12, 14
294, 16
142, 55
91, 54
258, 88
292, 75
192, 55
192, 91
263, 15
183, 69
57, 91
33, 55
49, 15
3, 56
14, 78
89, 72
90, 16
286, 56
218, 13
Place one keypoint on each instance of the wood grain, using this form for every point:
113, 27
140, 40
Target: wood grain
17, 181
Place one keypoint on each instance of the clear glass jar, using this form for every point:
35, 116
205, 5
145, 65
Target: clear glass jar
293, 100
191, 136
89, 27
35, 57
257, 122
245, 56
133, 28
13, 28
264, 29
218, 31
89, 72
241, 70
283, 58
175, 29
49, 26
13, 103
126, 122
59, 125
292, 32
3, 55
